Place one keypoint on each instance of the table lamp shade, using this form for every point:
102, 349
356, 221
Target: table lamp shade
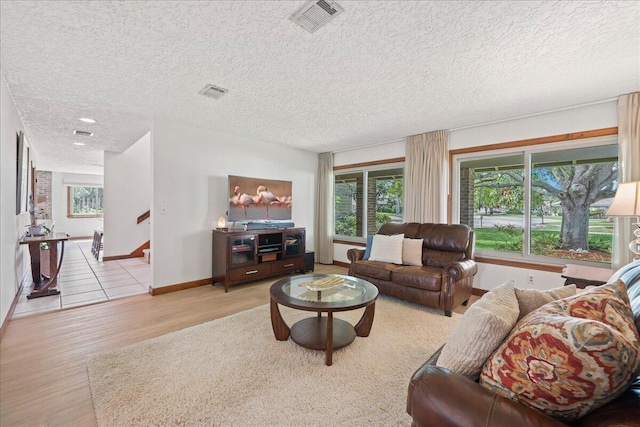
627, 200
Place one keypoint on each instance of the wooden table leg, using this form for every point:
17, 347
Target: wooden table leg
280, 328
329, 360
46, 287
363, 328
34, 253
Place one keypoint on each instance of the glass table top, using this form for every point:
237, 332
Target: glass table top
349, 288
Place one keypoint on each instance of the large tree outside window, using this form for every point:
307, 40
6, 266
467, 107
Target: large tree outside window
566, 191
383, 200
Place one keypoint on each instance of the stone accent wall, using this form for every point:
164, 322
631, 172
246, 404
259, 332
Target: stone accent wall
466, 196
43, 194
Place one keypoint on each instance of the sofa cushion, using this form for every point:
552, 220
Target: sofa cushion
570, 356
531, 299
409, 229
412, 252
374, 269
387, 248
444, 243
480, 331
429, 278
440, 258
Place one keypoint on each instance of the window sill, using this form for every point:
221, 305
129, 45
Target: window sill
84, 216
357, 241
520, 264
551, 265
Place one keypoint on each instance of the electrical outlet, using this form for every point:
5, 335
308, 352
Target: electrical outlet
530, 278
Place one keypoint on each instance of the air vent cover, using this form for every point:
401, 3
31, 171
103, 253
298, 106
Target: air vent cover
82, 132
316, 14
212, 91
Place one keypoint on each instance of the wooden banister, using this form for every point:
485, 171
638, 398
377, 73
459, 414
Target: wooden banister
144, 216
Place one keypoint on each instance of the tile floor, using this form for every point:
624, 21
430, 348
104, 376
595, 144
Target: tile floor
84, 280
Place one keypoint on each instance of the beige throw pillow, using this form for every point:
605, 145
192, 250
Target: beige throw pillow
412, 252
481, 330
387, 248
532, 299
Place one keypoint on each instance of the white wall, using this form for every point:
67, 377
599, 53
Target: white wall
597, 116
74, 227
127, 195
189, 167
601, 115
14, 259
370, 154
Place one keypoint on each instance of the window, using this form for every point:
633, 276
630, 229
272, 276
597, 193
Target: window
85, 202
540, 201
359, 212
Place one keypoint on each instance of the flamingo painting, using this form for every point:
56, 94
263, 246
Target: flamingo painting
258, 199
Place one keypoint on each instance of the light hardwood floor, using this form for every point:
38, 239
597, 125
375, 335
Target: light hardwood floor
43, 376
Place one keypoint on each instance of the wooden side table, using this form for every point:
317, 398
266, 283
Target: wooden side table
42, 285
583, 276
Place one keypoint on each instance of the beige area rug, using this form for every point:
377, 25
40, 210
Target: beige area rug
233, 372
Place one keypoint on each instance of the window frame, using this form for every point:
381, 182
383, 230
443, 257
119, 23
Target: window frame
594, 138
365, 169
70, 213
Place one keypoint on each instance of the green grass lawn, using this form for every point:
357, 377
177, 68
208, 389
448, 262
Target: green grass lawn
488, 238
543, 239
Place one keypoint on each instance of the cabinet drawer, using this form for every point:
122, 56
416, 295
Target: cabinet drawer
249, 273
287, 265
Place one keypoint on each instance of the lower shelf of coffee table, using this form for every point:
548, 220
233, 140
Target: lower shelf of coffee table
311, 333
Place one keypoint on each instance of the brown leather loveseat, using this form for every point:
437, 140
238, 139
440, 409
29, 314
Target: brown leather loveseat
445, 278
440, 398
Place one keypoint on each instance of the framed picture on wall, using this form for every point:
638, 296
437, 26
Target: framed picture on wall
22, 171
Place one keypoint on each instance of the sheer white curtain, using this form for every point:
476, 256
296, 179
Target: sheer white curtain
324, 208
629, 170
425, 180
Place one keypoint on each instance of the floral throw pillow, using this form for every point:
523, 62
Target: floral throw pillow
570, 356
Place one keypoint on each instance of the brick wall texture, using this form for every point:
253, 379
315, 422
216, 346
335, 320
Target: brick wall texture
43, 194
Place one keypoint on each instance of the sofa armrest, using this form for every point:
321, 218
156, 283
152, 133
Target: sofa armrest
355, 254
440, 398
623, 411
461, 270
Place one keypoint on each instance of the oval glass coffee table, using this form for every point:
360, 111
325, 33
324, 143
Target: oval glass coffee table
323, 332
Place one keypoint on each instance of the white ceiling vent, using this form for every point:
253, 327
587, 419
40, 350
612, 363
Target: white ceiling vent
315, 14
82, 132
212, 91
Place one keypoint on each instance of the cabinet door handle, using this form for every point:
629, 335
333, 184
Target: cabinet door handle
288, 265
251, 272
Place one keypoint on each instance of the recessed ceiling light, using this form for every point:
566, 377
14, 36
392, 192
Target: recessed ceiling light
79, 143
86, 120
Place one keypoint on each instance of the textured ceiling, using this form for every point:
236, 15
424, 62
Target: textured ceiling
380, 71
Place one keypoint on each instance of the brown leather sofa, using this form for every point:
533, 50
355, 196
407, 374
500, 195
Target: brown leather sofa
439, 398
444, 280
